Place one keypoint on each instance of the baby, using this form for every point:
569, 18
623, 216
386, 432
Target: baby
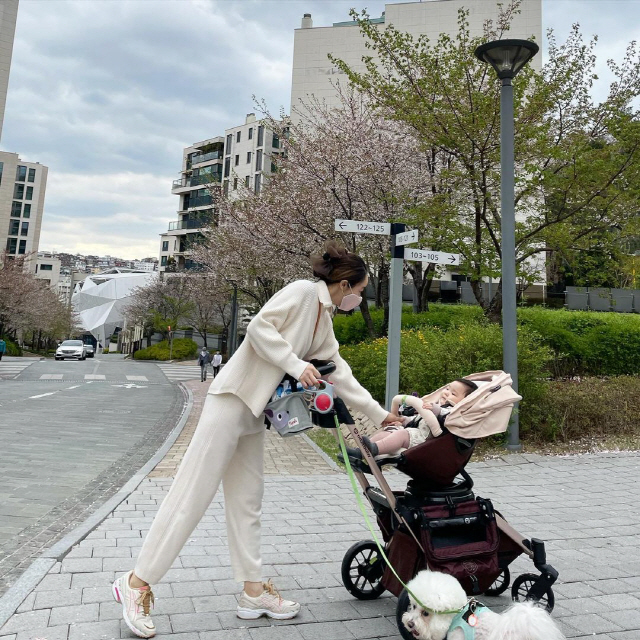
411, 431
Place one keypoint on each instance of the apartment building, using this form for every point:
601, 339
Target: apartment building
8, 17
22, 191
313, 73
239, 160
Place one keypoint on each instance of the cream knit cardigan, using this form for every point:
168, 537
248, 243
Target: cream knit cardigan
280, 339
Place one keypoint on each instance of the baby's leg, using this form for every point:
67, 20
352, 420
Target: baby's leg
384, 433
393, 441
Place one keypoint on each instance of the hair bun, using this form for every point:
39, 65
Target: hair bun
326, 256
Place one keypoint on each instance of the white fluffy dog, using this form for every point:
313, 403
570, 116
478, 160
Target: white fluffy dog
442, 596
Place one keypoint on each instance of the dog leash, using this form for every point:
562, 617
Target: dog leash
354, 486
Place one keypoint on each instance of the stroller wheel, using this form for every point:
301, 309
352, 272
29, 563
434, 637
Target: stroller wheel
521, 587
362, 569
401, 608
500, 584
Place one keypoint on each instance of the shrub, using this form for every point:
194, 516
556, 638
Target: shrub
431, 357
105, 351
589, 408
352, 329
182, 348
13, 349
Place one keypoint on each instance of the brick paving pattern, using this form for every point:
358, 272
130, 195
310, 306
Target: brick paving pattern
583, 506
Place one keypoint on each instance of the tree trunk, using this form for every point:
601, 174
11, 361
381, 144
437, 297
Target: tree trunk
366, 314
383, 274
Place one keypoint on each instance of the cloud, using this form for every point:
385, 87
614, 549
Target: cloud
107, 93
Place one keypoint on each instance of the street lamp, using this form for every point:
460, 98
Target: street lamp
508, 57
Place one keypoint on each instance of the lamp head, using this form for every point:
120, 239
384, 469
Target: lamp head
507, 57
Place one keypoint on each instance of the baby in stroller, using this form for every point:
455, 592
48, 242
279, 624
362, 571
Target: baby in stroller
414, 430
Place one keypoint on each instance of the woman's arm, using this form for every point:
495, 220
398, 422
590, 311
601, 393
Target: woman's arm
291, 304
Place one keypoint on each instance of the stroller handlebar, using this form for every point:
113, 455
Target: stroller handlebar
428, 416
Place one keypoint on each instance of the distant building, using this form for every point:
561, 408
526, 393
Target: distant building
8, 17
22, 191
48, 268
313, 72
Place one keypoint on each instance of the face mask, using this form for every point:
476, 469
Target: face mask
350, 301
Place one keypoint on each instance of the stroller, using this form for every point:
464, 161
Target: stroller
438, 522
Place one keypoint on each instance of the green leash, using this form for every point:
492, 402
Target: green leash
363, 509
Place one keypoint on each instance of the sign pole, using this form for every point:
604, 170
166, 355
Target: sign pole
395, 315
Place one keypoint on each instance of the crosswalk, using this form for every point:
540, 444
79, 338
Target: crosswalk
179, 373
10, 369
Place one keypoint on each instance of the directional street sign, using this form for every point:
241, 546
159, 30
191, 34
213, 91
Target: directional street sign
437, 257
356, 226
407, 237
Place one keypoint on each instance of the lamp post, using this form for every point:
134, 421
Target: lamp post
508, 57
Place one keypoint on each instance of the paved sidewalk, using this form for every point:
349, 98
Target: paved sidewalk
584, 507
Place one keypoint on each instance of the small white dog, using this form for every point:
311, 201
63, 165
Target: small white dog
443, 597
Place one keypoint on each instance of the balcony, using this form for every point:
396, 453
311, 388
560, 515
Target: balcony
187, 224
195, 181
206, 157
200, 201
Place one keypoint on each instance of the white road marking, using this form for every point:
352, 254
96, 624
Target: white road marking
139, 378
131, 385
42, 395
51, 376
94, 376
74, 387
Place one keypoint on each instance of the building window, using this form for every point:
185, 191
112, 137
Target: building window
225, 188
21, 173
256, 183
1, 168
29, 195
26, 213
12, 245
165, 245
14, 227
23, 246
16, 208
18, 192
25, 229
237, 162
238, 136
163, 261
227, 151
32, 175
275, 143
247, 181
250, 133
248, 157
227, 167
259, 160
235, 184
260, 136
46, 267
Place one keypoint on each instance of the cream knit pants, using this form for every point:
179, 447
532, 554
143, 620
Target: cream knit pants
227, 446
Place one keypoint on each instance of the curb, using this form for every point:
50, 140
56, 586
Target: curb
322, 454
39, 568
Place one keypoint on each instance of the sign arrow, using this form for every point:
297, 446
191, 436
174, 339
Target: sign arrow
342, 225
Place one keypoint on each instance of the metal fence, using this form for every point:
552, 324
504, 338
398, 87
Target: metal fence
601, 299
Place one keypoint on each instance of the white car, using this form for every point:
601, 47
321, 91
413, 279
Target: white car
71, 349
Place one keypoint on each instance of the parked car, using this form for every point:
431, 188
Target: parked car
90, 350
71, 349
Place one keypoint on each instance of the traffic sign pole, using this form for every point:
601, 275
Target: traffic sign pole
395, 315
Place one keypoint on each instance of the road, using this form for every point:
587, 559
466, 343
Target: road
71, 435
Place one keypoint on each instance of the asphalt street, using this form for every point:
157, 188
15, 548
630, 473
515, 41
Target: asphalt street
71, 434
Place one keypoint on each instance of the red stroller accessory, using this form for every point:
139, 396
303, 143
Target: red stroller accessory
438, 522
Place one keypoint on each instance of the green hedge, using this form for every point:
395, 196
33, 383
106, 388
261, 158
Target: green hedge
13, 349
182, 348
431, 357
352, 329
587, 342
594, 408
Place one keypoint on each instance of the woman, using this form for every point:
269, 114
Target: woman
293, 327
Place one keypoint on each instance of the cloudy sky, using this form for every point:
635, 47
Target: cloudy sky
107, 93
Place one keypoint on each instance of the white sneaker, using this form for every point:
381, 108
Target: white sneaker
268, 603
136, 604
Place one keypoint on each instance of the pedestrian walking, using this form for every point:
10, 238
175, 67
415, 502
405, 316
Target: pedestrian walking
292, 328
203, 360
3, 347
215, 363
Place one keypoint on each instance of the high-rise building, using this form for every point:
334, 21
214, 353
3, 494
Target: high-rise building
239, 160
22, 189
313, 72
8, 17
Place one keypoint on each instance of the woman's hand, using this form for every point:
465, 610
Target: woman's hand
309, 377
390, 419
